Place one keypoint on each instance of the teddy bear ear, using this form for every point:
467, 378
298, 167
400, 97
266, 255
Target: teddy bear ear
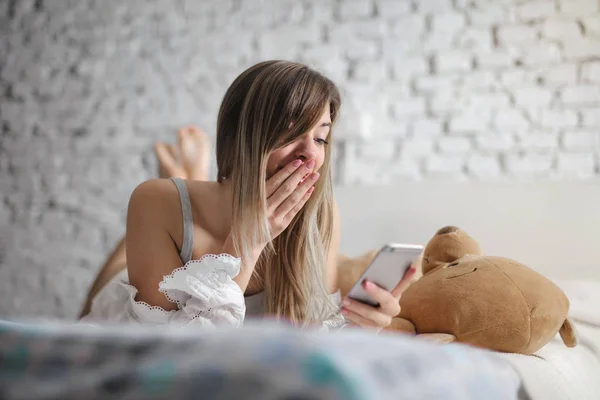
447, 229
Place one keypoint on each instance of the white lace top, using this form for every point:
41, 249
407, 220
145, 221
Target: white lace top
203, 290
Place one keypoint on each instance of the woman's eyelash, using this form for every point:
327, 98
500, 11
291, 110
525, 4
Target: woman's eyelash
322, 141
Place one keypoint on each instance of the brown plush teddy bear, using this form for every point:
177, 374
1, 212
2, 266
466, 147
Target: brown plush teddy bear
465, 296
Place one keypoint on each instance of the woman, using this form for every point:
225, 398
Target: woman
263, 239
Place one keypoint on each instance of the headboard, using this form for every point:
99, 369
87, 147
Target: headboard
553, 227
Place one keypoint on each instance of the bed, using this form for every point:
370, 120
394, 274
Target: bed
553, 228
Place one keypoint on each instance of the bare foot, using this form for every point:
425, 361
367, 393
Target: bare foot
188, 159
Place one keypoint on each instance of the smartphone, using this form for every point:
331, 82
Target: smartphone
386, 270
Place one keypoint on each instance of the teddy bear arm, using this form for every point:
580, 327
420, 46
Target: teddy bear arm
568, 334
400, 324
441, 338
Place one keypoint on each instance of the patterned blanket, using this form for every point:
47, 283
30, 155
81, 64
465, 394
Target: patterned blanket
63, 360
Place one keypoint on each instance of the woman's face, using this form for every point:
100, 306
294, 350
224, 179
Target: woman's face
310, 146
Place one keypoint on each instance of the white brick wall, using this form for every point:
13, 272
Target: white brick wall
432, 89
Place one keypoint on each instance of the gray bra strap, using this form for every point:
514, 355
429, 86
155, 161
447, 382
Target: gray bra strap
188, 221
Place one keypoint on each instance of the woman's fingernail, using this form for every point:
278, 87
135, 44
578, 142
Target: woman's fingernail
366, 284
314, 176
311, 189
344, 311
345, 302
297, 163
310, 164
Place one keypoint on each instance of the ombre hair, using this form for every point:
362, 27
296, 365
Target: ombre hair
268, 106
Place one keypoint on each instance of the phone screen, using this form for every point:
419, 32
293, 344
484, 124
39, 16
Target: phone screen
386, 270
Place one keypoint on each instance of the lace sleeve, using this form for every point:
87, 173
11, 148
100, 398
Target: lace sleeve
335, 320
204, 292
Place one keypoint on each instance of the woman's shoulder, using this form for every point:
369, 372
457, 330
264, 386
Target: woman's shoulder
162, 194
164, 190
152, 195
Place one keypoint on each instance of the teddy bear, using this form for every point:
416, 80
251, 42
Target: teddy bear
465, 296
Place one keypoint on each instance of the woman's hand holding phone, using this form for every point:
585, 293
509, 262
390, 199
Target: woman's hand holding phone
380, 317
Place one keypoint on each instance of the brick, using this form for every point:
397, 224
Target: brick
592, 24
521, 35
358, 49
494, 59
541, 141
561, 29
364, 172
557, 118
517, 77
383, 149
495, 142
394, 8
412, 26
442, 166
474, 104
316, 11
436, 41
482, 102
542, 53
475, 39
578, 8
445, 102
396, 47
535, 11
468, 122
479, 80
581, 140
434, 6
448, 23
354, 125
454, 145
407, 67
590, 72
409, 107
581, 94
368, 29
488, 15
453, 61
510, 118
328, 59
533, 96
529, 165
394, 90
426, 128
560, 74
352, 9
583, 48
416, 147
575, 165
484, 167
276, 42
390, 128
590, 117
254, 18
370, 71
436, 84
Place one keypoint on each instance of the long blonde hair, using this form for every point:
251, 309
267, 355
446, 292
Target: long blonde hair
268, 106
